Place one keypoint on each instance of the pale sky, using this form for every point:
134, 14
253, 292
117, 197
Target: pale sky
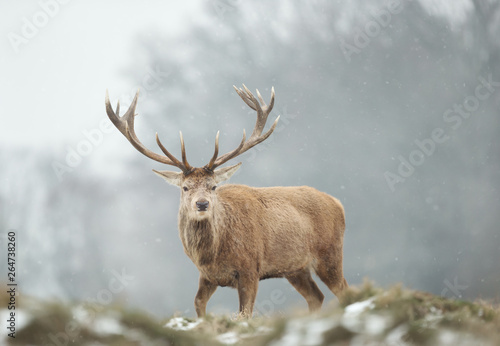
53, 83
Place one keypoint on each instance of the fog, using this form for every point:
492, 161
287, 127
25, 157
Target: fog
391, 106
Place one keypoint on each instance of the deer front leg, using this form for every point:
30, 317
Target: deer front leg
205, 291
247, 292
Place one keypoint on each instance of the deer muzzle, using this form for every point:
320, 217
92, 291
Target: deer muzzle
202, 205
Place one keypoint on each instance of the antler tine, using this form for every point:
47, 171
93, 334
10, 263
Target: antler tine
244, 96
183, 153
271, 103
262, 113
226, 157
216, 152
166, 152
125, 125
117, 105
256, 137
262, 109
260, 98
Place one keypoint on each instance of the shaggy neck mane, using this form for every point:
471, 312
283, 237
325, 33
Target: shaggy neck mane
200, 239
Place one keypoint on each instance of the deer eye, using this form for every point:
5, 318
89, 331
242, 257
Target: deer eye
214, 187
185, 188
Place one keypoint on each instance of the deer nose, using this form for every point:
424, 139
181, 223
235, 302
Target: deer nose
202, 205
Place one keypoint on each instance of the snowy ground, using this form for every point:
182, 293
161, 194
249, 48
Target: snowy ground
369, 317
375, 320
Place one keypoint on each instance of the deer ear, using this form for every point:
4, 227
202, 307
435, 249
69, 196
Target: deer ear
225, 173
173, 178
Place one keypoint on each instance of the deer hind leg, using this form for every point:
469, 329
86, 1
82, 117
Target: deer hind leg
305, 285
205, 291
248, 285
329, 270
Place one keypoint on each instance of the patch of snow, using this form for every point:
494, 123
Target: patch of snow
180, 323
228, 338
376, 324
447, 337
107, 325
305, 332
80, 314
395, 337
359, 307
315, 329
351, 319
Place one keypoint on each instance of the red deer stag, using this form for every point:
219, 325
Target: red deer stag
237, 235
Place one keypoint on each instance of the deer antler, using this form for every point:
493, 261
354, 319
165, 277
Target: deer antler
263, 111
125, 125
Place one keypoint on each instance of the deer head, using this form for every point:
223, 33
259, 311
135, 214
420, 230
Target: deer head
198, 185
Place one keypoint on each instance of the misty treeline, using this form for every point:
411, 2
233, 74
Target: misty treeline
390, 107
